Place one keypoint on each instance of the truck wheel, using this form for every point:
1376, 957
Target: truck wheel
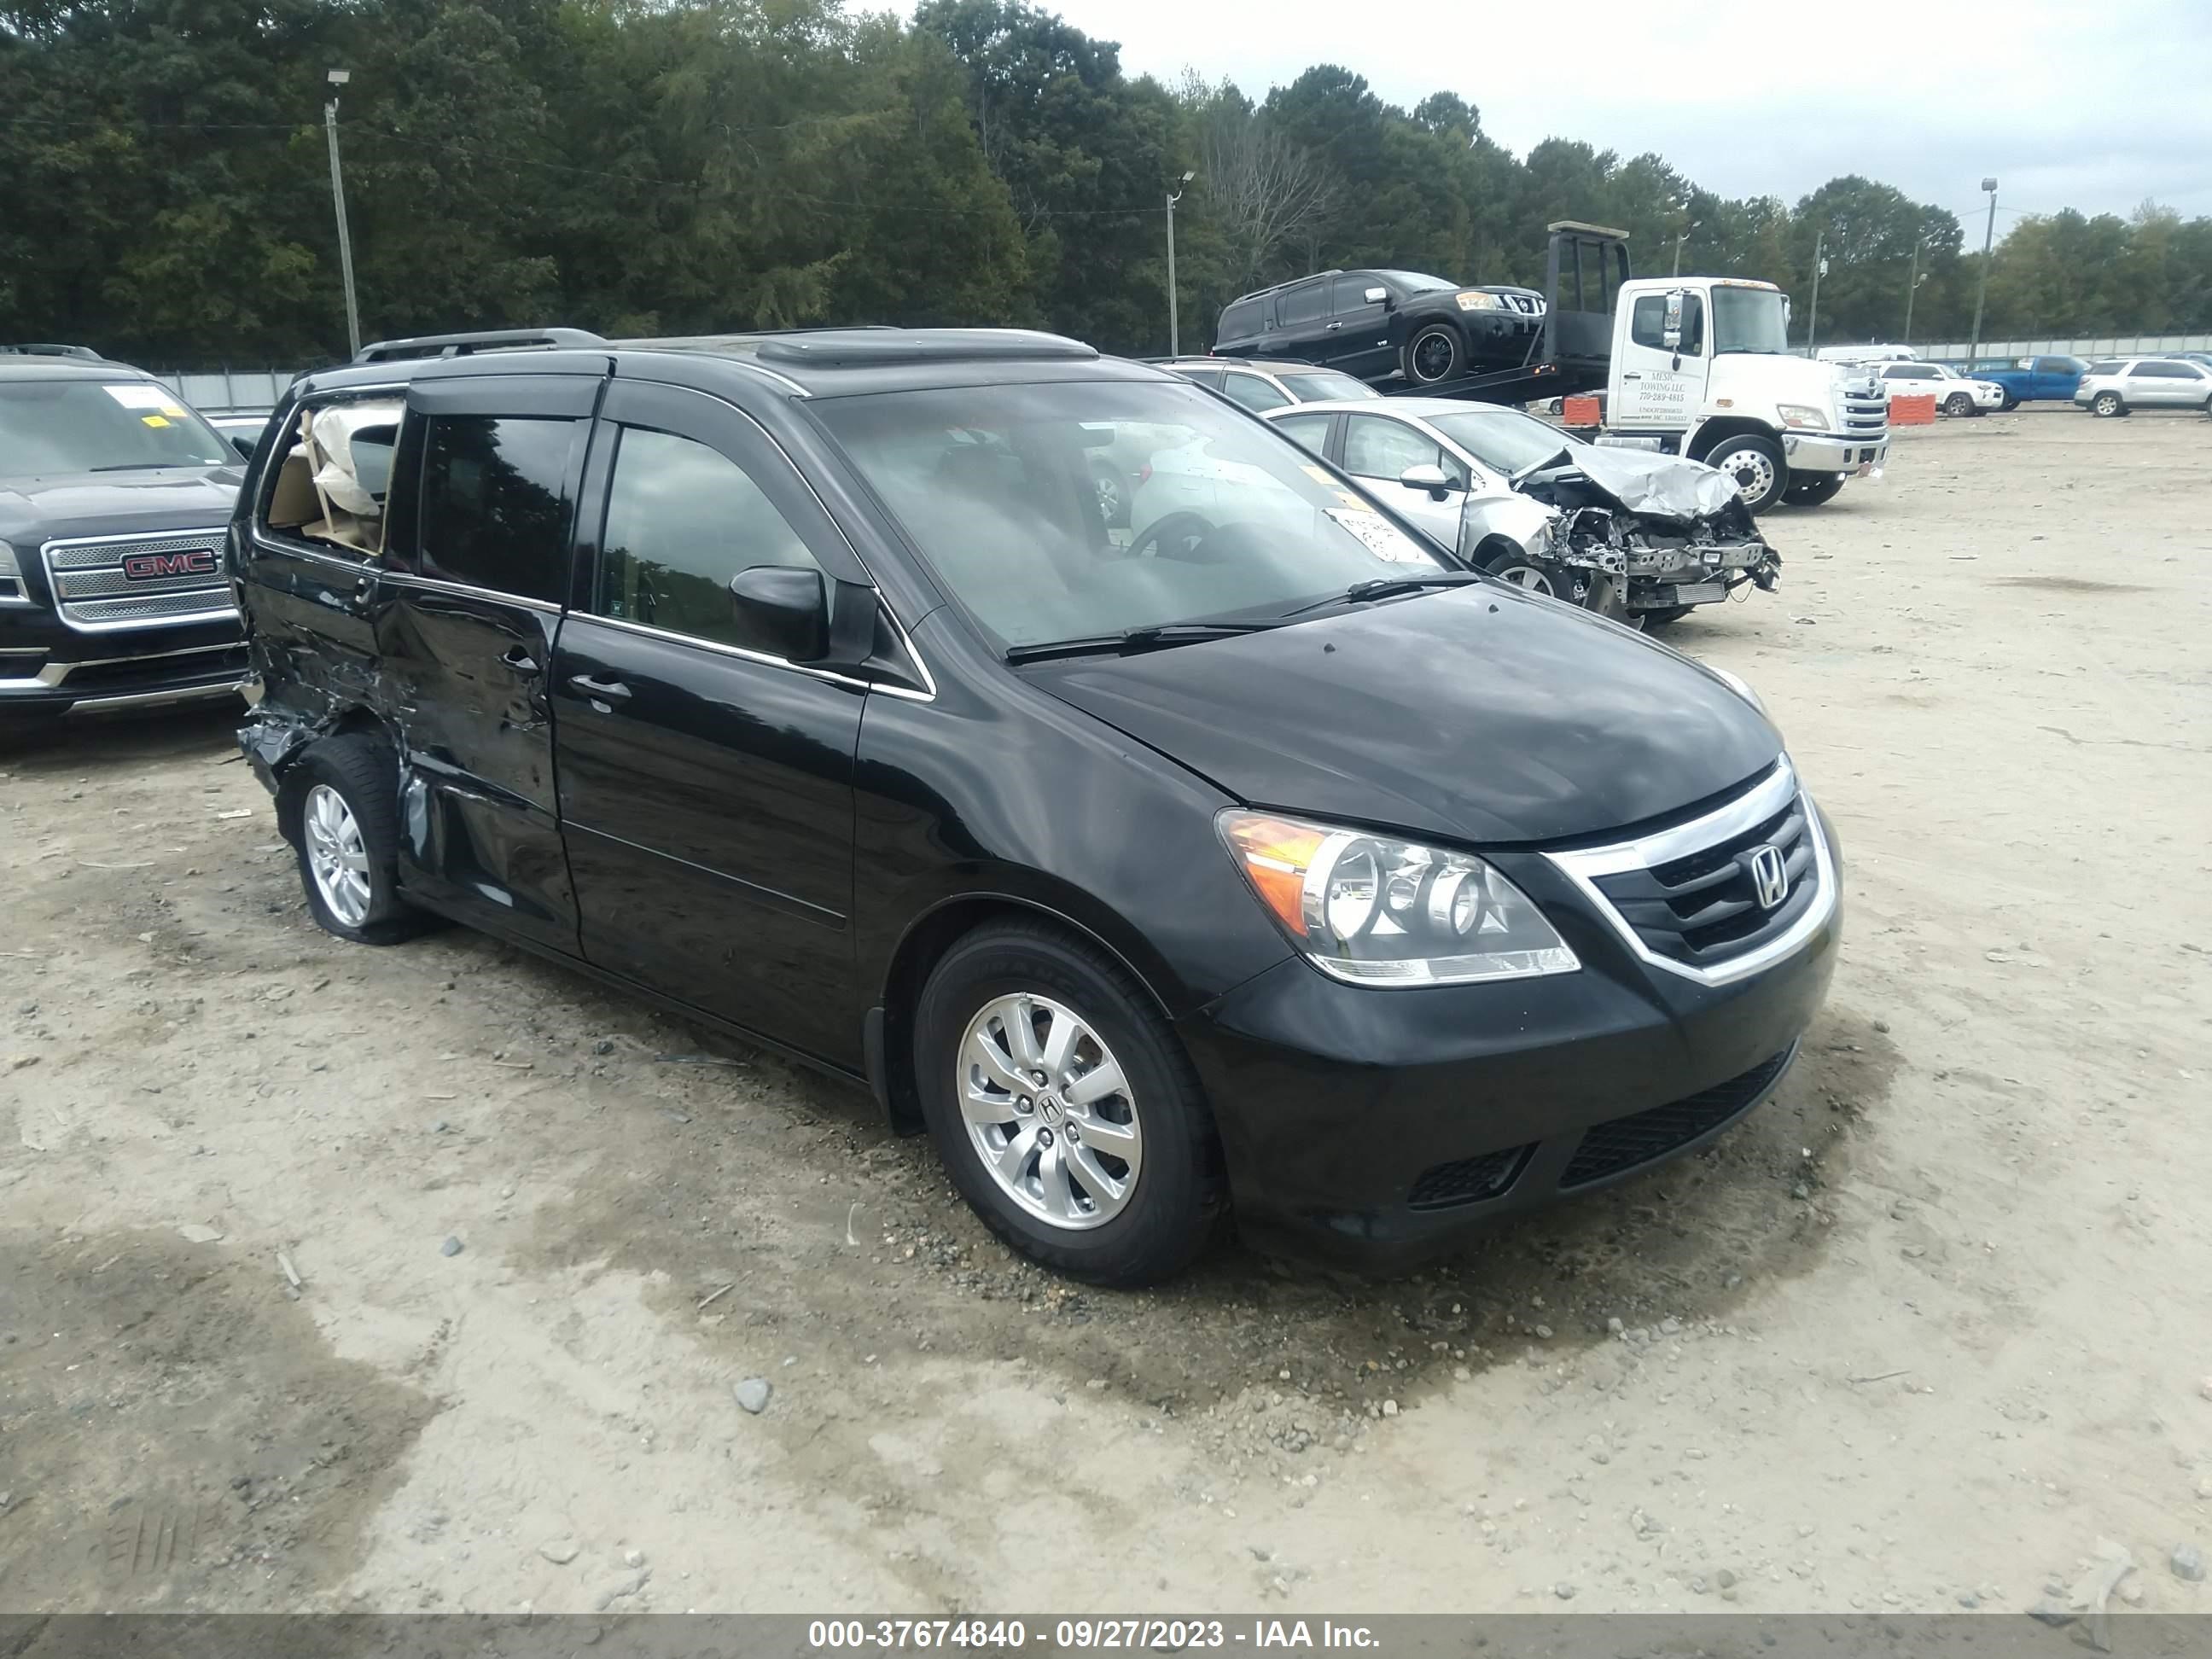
1958, 405
1064, 1108
2011, 402
1436, 353
1665, 615
343, 815
2106, 405
1756, 464
1811, 489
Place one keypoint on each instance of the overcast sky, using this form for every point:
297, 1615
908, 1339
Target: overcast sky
2090, 104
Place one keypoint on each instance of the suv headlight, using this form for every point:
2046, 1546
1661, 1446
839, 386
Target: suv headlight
1376, 910
11, 577
1802, 414
1479, 302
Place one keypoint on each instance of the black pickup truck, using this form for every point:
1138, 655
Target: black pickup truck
113, 500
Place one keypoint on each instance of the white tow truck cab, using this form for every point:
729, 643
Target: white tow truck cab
1701, 367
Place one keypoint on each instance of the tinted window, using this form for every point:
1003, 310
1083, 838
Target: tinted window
1375, 448
2058, 365
1303, 304
1253, 392
1208, 378
494, 510
1311, 430
1349, 294
682, 520
1413, 282
1241, 321
1910, 372
2102, 368
2160, 372
1314, 385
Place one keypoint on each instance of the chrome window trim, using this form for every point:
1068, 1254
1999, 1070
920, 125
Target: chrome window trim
1765, 798
444, 584
766, 660
273, 541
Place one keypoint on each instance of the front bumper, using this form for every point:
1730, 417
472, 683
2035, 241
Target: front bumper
1374, 1128
1823, 451
48, 670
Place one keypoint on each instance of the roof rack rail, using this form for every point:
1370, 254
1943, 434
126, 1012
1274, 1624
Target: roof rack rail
38, 349
468, 344
868, 347
1332, 271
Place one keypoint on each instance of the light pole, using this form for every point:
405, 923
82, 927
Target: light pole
1679, 240
1911, 287
1174, 325
338, 78
1819, 270
1982, 292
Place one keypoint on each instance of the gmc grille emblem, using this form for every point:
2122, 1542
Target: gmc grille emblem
151, 567
1770, 876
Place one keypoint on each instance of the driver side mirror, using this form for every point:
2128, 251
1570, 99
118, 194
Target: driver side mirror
243, 442
1376, 296
1430, 478
1671, 331
784, 610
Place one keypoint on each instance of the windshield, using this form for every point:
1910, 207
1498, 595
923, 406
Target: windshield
1505, 439
1082, 509
100, 426
1750, 319
1417, 282
1324, 384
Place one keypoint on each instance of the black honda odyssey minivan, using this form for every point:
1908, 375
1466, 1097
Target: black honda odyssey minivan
1249, 857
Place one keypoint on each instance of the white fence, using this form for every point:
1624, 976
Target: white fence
246, 389
2103, 345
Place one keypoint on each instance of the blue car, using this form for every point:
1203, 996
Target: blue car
2034, 380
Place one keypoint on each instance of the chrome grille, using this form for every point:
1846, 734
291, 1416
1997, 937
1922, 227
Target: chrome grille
1688, 899
93, 591
1866, 409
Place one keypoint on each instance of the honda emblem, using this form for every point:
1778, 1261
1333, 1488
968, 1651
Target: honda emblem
1770, 876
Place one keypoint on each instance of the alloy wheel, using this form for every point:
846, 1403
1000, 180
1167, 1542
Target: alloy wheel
1048, 1111
1434, 356
1528, 576
337, 855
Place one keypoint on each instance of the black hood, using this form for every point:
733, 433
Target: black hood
41, 508
1484, 714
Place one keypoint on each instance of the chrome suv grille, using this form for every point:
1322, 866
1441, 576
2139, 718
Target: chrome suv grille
1721, 897
128, 582
1528, 303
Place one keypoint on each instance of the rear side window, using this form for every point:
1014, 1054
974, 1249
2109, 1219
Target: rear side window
682, 520
1302, 304
1311, 430
2162, 372
1241, 320
493, 509
1208, 378
1253, 391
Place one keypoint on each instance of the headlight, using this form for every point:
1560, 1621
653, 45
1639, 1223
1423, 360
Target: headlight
1479, 302
1738, 684
11, 575
1379, 911
1802, 414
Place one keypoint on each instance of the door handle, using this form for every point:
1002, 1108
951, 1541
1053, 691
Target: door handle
611, 689
1632, 375
520, 660
1333, 327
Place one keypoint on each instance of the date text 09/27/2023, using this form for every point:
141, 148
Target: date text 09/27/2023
1082, 1635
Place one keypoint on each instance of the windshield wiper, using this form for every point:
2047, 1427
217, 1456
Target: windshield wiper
1383, 587
1136, 639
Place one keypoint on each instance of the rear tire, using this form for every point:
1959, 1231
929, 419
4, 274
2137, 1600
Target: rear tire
1756, 464
343, 821
1812, 489
2107, 405
1013, 1156
1437, 353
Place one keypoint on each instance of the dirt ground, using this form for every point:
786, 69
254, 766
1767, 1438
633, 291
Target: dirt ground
1918, 1334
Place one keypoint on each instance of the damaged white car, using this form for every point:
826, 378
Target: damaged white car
1640, 537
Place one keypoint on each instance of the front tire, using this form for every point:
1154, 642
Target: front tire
1756, 464
1518, 569
1437, 353
1958, 405
1113, 494
1108, 1170
2011, 402
346, 829
2107, 405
